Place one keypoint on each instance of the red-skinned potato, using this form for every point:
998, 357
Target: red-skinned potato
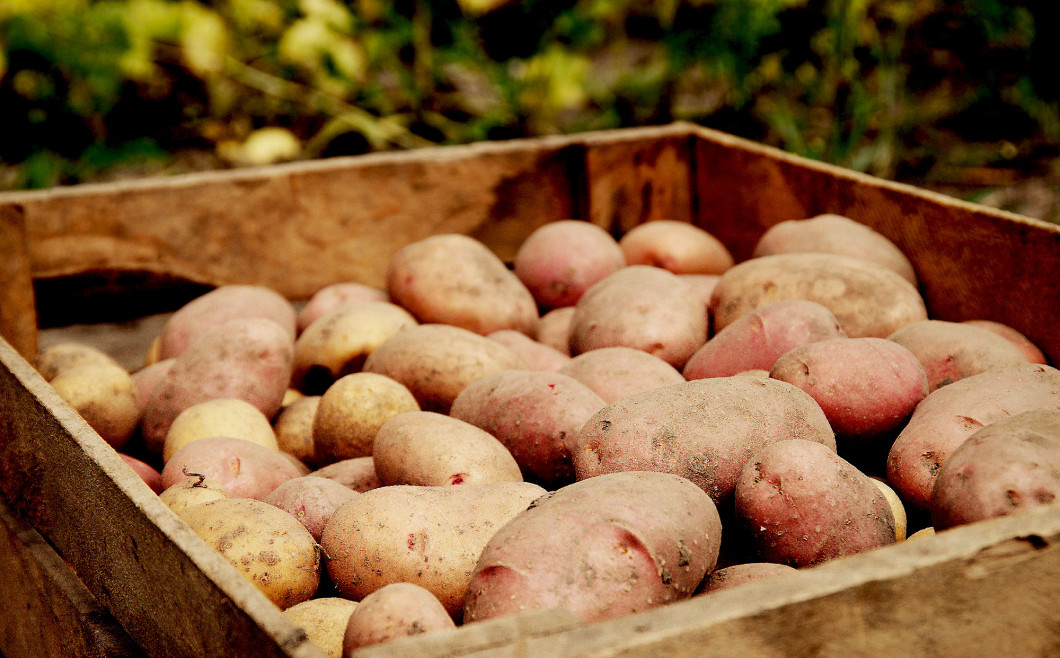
149, 474
393, 612
536, 356
756, 340
617, 372
335, 296
357, 473
739, 574
679, 247
951, 351
146, 380
311, 500
554, 329
606, 547
1031, 352
560, 260
244, 469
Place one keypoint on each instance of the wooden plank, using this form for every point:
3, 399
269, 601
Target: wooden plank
174, 595
973, 262
46, 610
18, 317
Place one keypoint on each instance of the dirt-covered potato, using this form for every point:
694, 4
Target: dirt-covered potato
103, 394
425, 448
67, 355
704, 430
393, 612
429, 536
192, 490
535, 415
606, 547
950, 351
243, 468
1009, 466
868, 299
679, 247
536, 356
293, 427
324, 621
352, 411
617, 372
644, 307
338, 343
435, 362
560, 260
456, 280
835, 234
802, 504
264, 543
311, 500
335, 296
219, 417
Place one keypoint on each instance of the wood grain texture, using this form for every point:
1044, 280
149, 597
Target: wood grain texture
18, 317
173, 594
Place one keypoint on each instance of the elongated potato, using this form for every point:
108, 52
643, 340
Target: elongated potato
950, 351
243, 468
57, 358
679, 247
868, 299
617, 372
1031, 352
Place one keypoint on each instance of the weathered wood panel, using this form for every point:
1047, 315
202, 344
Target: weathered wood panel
18, 317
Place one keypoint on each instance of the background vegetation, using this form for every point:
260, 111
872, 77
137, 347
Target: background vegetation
953, 94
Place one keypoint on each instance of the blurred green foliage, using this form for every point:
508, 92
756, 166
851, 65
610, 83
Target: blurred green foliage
88, 87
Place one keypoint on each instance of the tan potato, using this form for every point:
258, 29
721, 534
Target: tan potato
335, 296
264, 543
1031, 352
428, 536
679, 247
324, 621
456, 280
901, 519
437, 361
951, 351
393, 612
146, 380
219, 417
738, 574
560, 260
191, 491
614, 373
537, 356
425, 448
868, 299
103, 394
352, 411
554, 329
289, 396
338, 343
357, 473
57, 358
294, 428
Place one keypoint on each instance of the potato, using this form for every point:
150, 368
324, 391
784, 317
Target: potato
393, 612
617, 372
867, 387
294, 428
738, 574
335, 296
606, 547
352, 411
192, 490
950, 351
219, 417
703, 285
867, 299
146, 380
947, 417
338, 343
425, 448
264, 543
704, 430
437, 361
249, 359
429, 536
643, 307
536, 356
554, 329
757, 339
901, 519
244, 469
60, 357
324, 621
311, 500
222, 304
149, 474
534, 414
802, 504
102, 394
456, 280
1004, 468
679, 247
560, 260
835, 234
357, 473
1031, 352
922, 533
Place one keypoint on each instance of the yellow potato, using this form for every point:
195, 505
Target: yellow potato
294, 428
68, 355
352, 411
189, 493
104, 395
900, 518
229, 417
324, 621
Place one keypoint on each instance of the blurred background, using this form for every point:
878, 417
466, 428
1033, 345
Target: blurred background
959, 96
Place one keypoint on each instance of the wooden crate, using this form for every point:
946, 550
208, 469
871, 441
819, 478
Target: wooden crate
143, 580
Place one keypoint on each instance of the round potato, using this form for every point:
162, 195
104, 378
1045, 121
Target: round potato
149, 474
192, 490
560, 260
244, 469
102, 394
146, 380
335, 296
393, 612
219, 417
554, 329
679, 247
536, 356
294, 428
352, 411
617, 372
324, 621
67, 355
311, 500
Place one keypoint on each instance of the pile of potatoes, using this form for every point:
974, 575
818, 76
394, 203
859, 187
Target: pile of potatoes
604, 425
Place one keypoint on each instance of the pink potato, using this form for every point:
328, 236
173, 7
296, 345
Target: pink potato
393, 612
704, 285
643, 307
537, 356
559, 261
249, 359
802, 504
757, 339
1007, 467
679, 247
357, 473
209, 311
146, 380
704, 430
335, 296
739, 574
867, 387
951, 351
606, 547
245, 469
947, 417
617, 372
534, 414
311, 500
554, 329
1031, 352
149, 474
